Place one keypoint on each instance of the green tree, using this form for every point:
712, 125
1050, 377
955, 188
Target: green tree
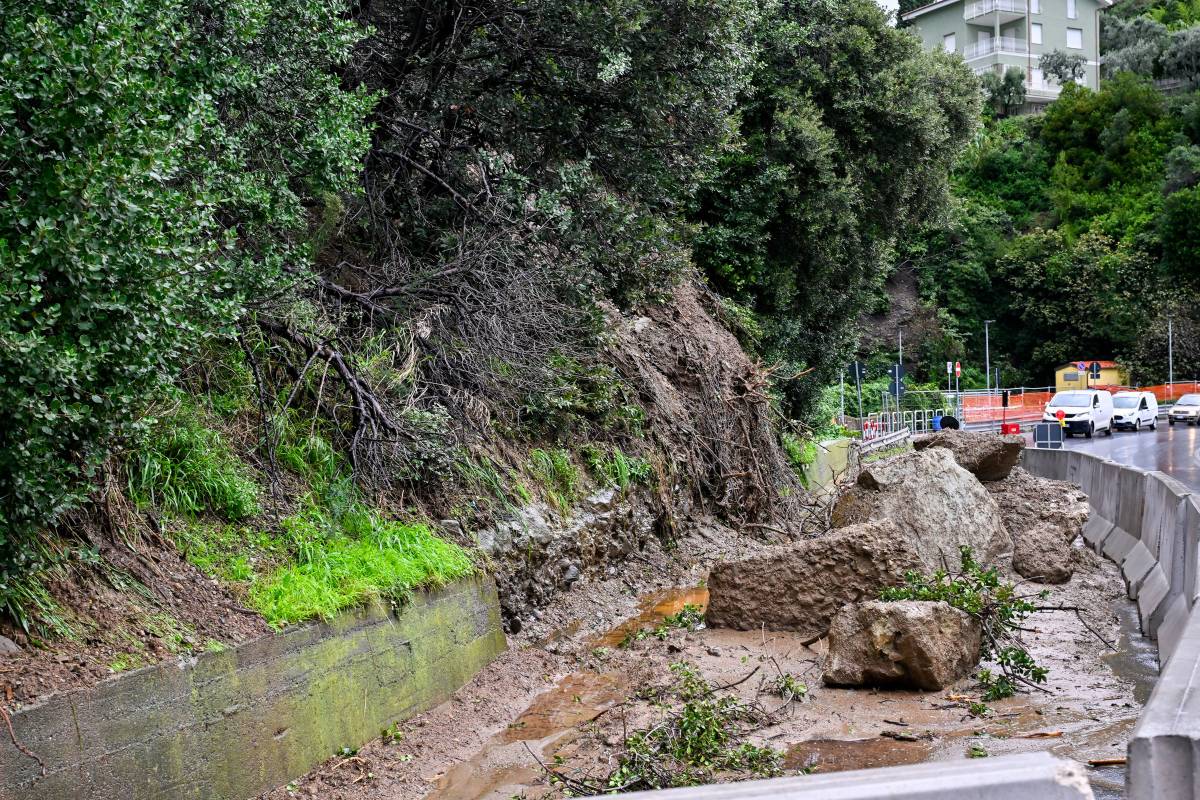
850, 130
1004, 94
1064, 67
159, 160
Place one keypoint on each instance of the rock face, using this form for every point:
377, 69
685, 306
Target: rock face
800, 587
987, 456
909, 644
1043, 553
936, 504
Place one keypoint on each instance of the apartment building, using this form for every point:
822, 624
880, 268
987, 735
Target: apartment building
995, 35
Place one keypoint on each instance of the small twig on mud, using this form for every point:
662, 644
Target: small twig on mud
765, 526
13, 736
735, 683
1082, 621
572, 783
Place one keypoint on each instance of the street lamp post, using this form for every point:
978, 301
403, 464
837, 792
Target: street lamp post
1171, 355
987, 361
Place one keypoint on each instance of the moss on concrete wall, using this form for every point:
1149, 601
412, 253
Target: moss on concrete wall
235, 723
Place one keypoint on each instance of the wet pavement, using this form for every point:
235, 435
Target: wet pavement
1173, 449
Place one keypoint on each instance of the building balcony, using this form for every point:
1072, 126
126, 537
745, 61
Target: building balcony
1006, 9
996, 44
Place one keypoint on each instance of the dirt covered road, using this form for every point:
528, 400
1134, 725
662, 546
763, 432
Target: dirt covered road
555, 714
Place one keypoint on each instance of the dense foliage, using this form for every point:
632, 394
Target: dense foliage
1075, 231
798, 221
409, 219
158, 161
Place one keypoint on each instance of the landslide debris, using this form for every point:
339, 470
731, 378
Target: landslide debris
1043, 517
800, 587
906, 644
935, 504
985, 455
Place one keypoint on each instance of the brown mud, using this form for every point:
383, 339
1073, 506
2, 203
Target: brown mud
574, 720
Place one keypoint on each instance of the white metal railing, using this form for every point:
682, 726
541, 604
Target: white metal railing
996, 44
981, 7
1045, 87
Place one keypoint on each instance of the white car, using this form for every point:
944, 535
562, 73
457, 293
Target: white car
1085, 411
1135, 410
1186, 409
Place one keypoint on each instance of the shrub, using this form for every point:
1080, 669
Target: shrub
159, 156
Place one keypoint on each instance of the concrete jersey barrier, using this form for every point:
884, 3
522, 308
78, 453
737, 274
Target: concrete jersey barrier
1149, 524
1029, 776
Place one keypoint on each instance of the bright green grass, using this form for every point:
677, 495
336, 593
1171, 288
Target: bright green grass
337, 571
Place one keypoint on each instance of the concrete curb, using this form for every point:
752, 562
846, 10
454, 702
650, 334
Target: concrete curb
1029, 776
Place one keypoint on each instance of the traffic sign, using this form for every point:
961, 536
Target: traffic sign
1080, 366
858, 371
1096, 369
958, 369
949, 367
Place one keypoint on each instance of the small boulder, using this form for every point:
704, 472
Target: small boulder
1043, 554
936, 504
985, 455
8, 647
800, 587
906, 644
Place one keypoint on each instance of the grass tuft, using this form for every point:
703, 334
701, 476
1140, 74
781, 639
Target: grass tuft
558, 476
185, 467
334, 570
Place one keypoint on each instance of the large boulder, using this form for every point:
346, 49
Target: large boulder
800, 587
1043, 554
936, 504
987, 456
909, 644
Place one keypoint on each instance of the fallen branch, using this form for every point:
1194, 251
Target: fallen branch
13, 736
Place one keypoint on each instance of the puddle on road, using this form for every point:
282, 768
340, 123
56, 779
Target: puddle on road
653, 609
501, 768
839, 755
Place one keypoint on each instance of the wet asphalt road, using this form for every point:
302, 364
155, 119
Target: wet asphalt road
1174, 450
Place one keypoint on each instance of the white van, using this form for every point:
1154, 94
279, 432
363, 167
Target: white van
1085, 411
1135, 410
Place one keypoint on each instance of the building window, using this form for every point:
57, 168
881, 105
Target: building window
1036, 80
1071, 9
1035, 33
1035, 6
948, 43
1075, 38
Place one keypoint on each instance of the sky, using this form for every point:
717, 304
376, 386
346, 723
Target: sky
890, 5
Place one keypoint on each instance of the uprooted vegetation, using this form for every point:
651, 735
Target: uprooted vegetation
397, 308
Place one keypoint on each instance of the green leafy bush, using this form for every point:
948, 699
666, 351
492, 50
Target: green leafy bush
978, 591
159, 158
704, 737
614, 468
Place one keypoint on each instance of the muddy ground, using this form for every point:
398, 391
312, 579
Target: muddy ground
562, 696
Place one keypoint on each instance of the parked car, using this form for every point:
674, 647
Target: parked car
1085, 411
1133, 410
1186, 409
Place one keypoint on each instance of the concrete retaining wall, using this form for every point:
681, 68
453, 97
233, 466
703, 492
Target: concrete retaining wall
233, 724
1149, 524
